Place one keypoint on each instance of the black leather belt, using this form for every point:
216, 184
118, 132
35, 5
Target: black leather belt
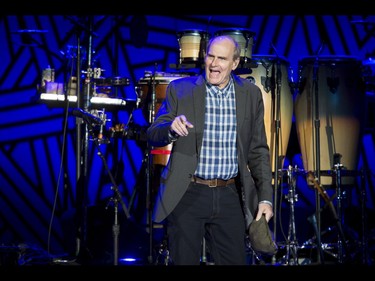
213, 182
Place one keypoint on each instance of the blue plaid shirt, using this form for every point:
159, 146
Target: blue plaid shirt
218, 156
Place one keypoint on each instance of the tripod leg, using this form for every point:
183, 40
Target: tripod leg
312, 220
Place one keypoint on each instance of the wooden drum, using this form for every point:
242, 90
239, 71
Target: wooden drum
339, 101
193, 45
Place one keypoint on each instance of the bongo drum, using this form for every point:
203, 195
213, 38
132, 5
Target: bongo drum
193, 45
145, 89
339, 100
244, 38
262, 75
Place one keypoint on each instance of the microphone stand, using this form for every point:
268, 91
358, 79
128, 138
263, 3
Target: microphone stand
117, 198
320, 257
149, 171
82, 131
80, 160
277, 136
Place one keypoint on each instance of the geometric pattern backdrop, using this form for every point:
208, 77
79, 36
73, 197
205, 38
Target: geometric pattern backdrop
49, 202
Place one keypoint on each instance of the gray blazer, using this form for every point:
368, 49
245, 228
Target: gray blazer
187, 96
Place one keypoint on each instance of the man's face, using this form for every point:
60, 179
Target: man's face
219, 62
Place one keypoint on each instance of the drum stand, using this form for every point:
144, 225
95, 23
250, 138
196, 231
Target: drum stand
343, 252
116, 198
291, 257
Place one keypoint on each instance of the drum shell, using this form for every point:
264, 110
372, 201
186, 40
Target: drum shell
145, 88
339, 96
160, 155
245, 39
262, 76
193, 44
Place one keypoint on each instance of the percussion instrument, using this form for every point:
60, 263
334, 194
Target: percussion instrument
192, 45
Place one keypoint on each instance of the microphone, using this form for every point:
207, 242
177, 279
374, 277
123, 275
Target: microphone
87, 117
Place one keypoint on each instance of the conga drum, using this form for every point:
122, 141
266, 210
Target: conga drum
152, 90
332, 87
193, 44
263, 74
244, 38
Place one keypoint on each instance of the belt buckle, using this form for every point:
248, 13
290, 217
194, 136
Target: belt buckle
213, 183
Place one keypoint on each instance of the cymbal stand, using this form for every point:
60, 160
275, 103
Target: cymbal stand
116, 198
292, 242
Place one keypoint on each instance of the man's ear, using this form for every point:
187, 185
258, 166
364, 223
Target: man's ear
235, 64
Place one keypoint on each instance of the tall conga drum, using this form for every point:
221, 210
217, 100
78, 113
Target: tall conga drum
332, 87
264, 75
152, 89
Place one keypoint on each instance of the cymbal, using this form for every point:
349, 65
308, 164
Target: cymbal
30, 31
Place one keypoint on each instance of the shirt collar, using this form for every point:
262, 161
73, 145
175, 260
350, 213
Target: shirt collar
225, 91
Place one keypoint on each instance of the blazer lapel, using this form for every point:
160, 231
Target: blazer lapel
241, 99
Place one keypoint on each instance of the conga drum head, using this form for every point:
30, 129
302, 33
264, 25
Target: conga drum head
264, 76
332, 87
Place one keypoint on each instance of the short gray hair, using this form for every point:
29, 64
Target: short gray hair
237, 47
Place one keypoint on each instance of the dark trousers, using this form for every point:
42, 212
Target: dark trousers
214, 213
